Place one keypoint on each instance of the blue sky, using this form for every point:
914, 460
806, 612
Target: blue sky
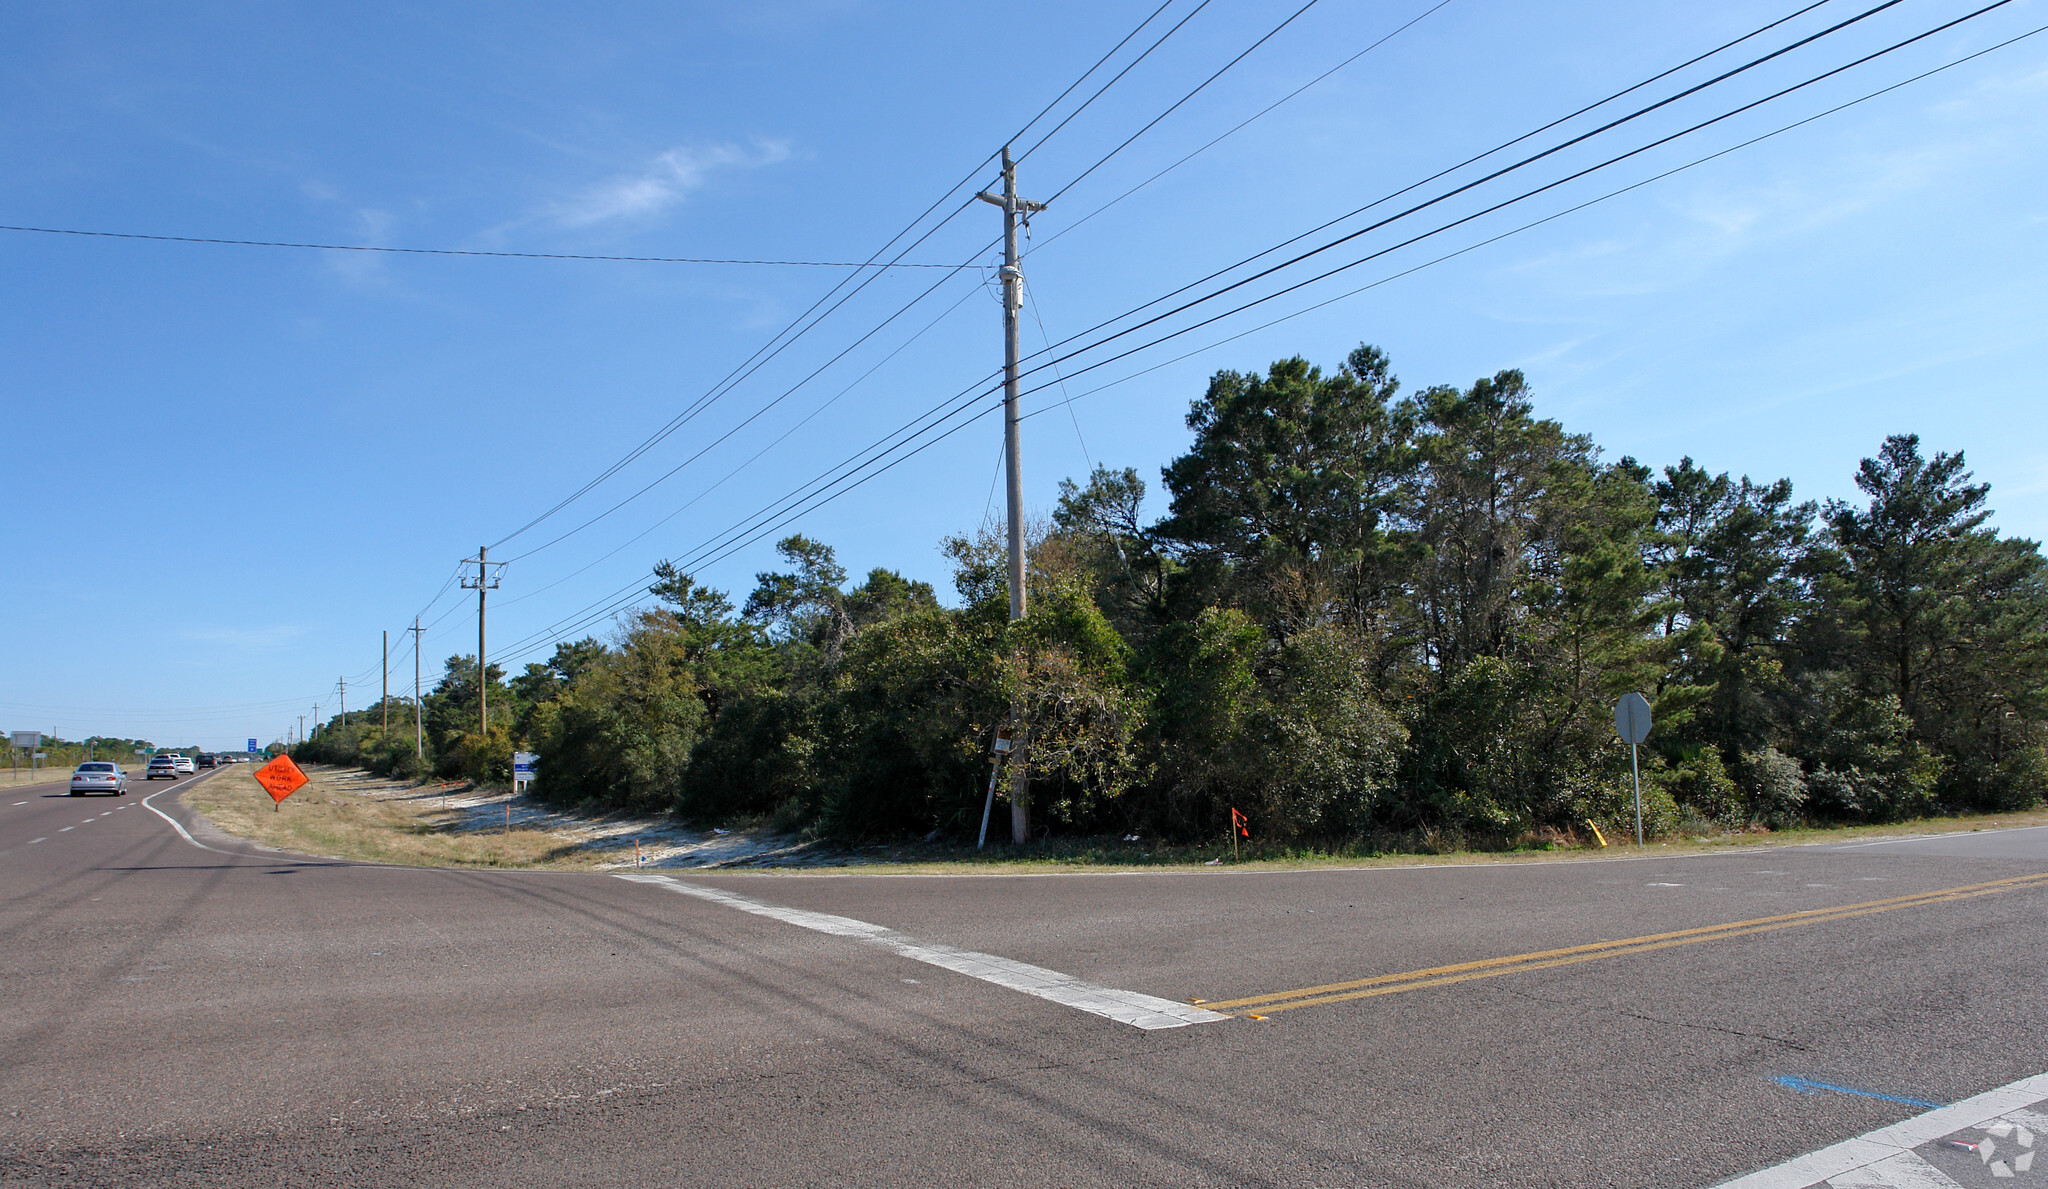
230, 468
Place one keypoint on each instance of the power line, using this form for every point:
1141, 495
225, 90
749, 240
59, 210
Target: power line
1525, 136
266, 243
1531, 225
749, 420
1486, 211
1080, 350
781, 511
807, 418
958, 406
920, 297
1175, 105
799, 326
1128, 67
1248, 120
1468, 186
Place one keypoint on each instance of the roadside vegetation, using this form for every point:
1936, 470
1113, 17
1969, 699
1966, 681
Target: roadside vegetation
1366, 618
63, 755
332, 818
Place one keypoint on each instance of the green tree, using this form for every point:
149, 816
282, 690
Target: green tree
1947, 618
1291, 482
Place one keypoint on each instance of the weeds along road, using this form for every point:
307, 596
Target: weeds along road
171, 1013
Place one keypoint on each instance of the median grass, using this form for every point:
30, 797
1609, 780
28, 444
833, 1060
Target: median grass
329, 818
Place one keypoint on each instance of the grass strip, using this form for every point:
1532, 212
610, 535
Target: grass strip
329, 818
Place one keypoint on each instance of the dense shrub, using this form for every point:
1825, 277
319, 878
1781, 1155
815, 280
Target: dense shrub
1362, 614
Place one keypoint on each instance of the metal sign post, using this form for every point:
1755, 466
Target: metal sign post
999, 750
1632, 723
27, 741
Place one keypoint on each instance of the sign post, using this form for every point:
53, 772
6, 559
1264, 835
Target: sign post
1632, 722
999, 750
523, 764
21, 741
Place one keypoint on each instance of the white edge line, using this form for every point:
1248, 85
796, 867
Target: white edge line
1125, 1007
1887, 1142
1737, 850
181, 829
1933, 836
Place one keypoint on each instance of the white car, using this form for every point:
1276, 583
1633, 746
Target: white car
185, 765
99, 776
163, 766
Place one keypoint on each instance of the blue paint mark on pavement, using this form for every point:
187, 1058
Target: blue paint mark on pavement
1806, 1087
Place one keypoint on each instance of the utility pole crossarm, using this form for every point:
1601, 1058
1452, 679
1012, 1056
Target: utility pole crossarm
1024, 205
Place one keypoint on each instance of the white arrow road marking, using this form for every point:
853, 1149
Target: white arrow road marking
1885, 1157
1125, 1007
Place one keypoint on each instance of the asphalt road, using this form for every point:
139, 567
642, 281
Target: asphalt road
171, 1014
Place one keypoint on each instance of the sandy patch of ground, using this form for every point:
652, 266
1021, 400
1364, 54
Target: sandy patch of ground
659, 841
349, 813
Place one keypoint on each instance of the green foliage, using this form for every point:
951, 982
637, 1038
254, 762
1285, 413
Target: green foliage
1363, 616
1773, 786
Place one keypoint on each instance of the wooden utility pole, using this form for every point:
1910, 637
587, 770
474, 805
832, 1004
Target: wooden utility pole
419, 734
484, 582
1016, 211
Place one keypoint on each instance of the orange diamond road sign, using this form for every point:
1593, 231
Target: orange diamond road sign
280, 778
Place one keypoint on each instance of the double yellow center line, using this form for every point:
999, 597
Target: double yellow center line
1439, 976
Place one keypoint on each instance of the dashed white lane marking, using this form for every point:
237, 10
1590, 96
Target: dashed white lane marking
1885, 1157
1125, 1007
21, 802
66, 829
33, 841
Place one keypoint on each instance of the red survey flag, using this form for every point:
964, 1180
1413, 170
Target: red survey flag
1239, 820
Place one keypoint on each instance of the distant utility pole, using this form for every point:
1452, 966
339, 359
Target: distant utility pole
342, 683
485, 580
1015, 211
385, 701
419, 736
302, 723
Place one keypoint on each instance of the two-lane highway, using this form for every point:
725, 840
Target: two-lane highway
192, 1008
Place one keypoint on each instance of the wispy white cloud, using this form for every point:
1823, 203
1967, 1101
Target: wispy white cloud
665, 181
